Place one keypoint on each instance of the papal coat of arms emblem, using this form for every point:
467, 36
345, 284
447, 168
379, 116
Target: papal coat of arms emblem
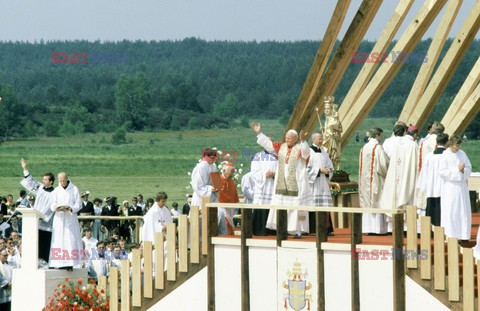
297, 297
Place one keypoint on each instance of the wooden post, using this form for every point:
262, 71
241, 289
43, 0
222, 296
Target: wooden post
356, 238
147, 269
204, 213
282, 232
136, 278
321, 232
412, 245
212, 223
183, 243
439, 257
468, 280
478, 284
171, 252
125, 285
102, 283
194, 235
159, 261
138, 221
321, 58
453, 270
426, 244
398, 264
246, 234
467, 113
113, 283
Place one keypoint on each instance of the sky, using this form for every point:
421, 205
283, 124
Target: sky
233, 20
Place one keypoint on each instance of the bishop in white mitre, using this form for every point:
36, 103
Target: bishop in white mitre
291, 178
373, 167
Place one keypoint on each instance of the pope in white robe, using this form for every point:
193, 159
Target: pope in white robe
373, 167
201, 184
291, 178
400, 182
263, 168
66, 202
456, 213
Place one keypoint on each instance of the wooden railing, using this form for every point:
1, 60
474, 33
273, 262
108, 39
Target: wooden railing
321, 236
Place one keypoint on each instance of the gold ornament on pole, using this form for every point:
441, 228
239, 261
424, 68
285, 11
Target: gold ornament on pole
332, 132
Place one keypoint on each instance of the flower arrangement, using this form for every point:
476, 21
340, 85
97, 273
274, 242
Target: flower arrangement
73, 296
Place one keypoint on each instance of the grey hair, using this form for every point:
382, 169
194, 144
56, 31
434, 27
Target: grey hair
293, 132
316, 134
227, 168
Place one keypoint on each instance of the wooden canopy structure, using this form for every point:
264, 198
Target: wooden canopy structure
375, 77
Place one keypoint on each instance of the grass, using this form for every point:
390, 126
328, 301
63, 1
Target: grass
152, 161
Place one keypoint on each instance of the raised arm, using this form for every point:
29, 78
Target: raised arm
262, 139
28, 182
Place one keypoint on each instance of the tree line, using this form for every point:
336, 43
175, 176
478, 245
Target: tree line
63, 88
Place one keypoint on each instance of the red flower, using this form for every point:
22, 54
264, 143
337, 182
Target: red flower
80, 281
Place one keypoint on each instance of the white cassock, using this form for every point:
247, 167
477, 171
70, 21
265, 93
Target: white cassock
262, 163
426, 147
4, 226
399, 188
389, 145
456, 211
154, 220
6, 274
319, 185
201, 184
373, 167
248, 187
297, 220
66, 229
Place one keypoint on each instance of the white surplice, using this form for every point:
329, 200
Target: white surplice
66, 229
456, 211
154, 220
43, 200
248, 187
319, 185
373, 167
297, 220
201, 184
389, 145
430, 182
262, 163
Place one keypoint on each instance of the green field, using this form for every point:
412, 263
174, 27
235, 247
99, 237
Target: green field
152, 161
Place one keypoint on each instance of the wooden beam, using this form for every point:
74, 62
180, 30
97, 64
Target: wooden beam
339, 63
136, 278
385, 74
194, 235
113, 285
321, 232
147, 269
433, 55
125, 285
426, 245
245, 268
159, 261
212, 223
183, 243
439, 258
321, 58
412, 244
463, 94
380, 47
171, 252
356, 238
398, 265
282, 232
468, 283
453, 270
204, 212
466, 114
449, 64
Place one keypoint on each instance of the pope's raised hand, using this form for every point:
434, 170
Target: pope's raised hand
303, 135
24, 164
256, 128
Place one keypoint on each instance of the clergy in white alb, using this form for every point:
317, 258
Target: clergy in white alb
430, 182
156, 219
400, 182
248, 188
320, 171
373, 167
201, 184
390, 143
43, 201
263, 168
66, 203
291, 178
456, 213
